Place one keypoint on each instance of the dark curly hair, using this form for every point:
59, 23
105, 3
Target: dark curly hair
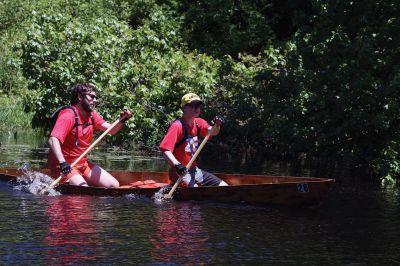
81, 89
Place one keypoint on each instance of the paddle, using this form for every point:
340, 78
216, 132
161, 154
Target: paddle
169, 195
55, 182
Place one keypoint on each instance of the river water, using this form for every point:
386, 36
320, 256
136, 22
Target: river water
356, 224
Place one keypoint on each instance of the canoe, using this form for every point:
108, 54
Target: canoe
253, 189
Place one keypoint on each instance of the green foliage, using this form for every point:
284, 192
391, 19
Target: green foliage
330, 93
335, 97
348, 61
295, 80
159, 56
11, 21
60, 52
12, 115
228, 27
11, 79
15, 15
168, 78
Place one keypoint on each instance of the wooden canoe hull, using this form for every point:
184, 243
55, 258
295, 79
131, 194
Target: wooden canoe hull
253, 189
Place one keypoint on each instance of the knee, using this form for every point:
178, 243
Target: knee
114, 183
222, 183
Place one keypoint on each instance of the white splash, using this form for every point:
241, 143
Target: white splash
34, 182
159, 196
131, 196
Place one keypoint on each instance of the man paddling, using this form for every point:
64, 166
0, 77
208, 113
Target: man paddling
71, 136
181, 141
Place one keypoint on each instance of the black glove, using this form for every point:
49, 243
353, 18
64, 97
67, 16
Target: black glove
181, 169
219, 118
65, 168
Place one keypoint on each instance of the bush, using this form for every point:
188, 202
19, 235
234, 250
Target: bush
60, 52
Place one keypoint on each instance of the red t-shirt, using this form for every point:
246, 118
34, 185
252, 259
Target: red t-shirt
185, 151
65, 132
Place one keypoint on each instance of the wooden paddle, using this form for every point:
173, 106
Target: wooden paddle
169, 195
55, 182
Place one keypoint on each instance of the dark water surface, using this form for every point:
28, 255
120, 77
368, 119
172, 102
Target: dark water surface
355, 225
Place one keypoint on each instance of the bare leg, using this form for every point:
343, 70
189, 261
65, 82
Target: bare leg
99, 177
78, 180
222, 183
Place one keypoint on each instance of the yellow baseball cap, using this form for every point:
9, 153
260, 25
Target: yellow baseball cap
189, 98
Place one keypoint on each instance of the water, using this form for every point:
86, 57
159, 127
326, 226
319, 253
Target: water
356, 229
356, 224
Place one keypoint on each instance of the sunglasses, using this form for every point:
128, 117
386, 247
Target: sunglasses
92, 96
196, 104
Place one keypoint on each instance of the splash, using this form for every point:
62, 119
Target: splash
160, 196
34, 182
131, 196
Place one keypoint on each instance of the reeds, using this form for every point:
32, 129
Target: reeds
12, 115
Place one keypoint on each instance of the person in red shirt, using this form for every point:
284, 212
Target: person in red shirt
182, 139
72, 134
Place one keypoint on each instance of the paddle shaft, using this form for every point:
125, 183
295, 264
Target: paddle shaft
55, 182
169, 195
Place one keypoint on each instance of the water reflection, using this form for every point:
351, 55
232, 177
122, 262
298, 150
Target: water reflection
180, 235
24, 147
353, 226
33, 138
71, 235
14, 156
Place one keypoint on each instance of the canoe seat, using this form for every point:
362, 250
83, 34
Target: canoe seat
144, 184
137, 183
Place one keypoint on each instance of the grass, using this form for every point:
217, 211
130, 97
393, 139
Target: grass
12, 115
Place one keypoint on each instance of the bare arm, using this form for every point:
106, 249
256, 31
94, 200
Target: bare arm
171, 158
125, 115
218, 121
214, 130
55, 147
113, 131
